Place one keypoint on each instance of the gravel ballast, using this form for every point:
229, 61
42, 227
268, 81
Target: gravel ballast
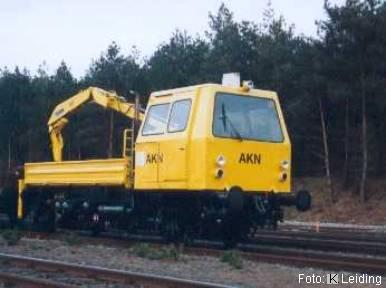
203, 268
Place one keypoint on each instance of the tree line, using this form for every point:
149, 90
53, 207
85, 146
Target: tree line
332, 89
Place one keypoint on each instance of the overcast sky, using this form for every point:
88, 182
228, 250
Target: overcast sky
77, 31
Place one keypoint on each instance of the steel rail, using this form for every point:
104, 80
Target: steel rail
336, 235
30, 282
331, 227
322, 243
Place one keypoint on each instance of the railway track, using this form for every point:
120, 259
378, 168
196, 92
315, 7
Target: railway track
76, 275
29, 282
331, 227
305, 249
316, 259
335, 235
331, 261
313, 241
311, 251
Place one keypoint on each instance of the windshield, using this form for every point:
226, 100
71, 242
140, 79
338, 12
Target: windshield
245, 117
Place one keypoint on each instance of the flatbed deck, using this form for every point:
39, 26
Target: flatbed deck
106, 172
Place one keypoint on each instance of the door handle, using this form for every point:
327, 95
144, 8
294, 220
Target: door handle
181, 148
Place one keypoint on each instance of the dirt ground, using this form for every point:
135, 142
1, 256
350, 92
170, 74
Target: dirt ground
347, 209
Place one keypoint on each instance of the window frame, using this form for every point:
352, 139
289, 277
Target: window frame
187, 120
244, 138
147, 118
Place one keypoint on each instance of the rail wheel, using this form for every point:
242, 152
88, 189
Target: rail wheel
171, 231
39, 212
231, 232
233, 226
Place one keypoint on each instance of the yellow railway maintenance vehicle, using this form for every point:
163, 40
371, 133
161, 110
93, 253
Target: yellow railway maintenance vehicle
208, 161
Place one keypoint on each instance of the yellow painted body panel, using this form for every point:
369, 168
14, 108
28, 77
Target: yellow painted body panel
189, 157
106, 172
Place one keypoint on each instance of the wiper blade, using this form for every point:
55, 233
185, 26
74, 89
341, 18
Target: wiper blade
226, 119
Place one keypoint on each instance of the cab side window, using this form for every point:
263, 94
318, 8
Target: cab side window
179, 116
156, 119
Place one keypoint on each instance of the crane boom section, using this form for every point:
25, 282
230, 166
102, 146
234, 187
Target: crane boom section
106, 99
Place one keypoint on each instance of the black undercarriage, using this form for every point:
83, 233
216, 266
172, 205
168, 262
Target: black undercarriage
176, 216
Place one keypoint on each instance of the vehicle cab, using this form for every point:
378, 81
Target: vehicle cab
213, 137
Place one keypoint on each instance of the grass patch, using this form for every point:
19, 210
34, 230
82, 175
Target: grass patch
72, 239
147, 251
11, 237
233, 258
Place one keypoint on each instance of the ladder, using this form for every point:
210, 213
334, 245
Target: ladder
128, 150
128, 144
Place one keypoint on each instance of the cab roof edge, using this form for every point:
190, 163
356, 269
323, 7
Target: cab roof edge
168, 92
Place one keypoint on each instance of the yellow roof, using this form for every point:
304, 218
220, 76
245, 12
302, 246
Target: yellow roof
255, 92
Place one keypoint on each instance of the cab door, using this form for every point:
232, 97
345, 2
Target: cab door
147, 158
175, 146
148, 154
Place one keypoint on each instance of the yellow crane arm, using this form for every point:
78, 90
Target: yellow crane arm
106, 99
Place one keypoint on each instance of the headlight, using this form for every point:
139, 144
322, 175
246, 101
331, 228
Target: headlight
284, 165
220, 161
